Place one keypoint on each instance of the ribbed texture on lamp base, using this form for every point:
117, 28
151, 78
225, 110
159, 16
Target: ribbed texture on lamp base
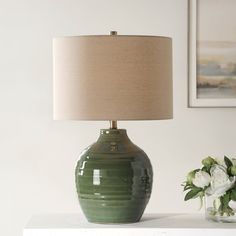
113, 179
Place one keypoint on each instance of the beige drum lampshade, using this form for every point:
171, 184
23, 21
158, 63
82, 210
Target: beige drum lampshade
113, 77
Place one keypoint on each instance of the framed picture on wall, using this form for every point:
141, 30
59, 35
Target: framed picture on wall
212, 53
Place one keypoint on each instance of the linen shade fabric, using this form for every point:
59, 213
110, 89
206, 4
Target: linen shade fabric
112, 77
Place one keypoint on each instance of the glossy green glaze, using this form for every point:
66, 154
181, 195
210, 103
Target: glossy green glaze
113, 179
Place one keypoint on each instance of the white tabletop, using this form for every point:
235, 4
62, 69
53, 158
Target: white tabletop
152, 224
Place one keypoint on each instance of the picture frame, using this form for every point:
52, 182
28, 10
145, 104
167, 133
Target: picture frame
212, 81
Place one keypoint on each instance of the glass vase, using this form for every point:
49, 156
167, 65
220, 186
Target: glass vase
215, 210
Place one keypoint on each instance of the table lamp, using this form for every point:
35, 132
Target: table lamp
113, 77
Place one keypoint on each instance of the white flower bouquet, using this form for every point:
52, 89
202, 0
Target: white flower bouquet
216, 179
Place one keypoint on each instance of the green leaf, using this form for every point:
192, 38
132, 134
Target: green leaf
233, 194
192, 193
191, 176
228, 162
187, 187
206, 169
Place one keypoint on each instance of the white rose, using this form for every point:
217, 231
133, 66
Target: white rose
201, 179
220, 181
220, 161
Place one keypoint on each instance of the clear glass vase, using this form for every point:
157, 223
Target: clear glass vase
215, 210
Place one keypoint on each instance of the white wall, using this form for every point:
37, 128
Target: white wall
38, 155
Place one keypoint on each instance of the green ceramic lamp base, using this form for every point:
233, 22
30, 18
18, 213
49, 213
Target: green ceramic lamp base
113, 179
